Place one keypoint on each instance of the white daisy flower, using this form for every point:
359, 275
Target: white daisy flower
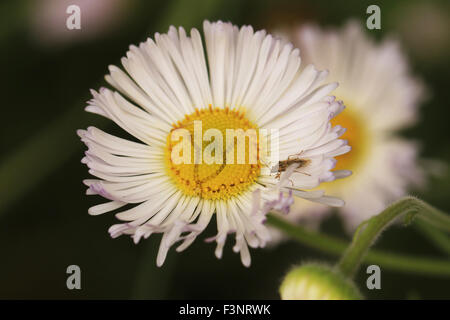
247, 80
381, 98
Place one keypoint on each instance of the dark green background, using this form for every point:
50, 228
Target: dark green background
44, 225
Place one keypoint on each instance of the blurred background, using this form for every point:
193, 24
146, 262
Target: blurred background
47, 71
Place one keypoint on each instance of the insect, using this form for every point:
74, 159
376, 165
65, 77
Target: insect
284, 164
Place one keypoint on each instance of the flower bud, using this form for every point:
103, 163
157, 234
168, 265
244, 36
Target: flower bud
313, 281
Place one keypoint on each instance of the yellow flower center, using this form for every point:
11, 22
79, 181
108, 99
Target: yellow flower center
357, 137
216, 180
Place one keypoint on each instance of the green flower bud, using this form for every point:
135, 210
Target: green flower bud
313, 281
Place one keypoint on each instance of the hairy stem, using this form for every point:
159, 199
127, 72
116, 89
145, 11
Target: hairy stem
358, 250
369, 230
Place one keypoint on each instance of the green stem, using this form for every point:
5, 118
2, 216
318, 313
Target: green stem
429, 214
369, 230
336, 246
440, 239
